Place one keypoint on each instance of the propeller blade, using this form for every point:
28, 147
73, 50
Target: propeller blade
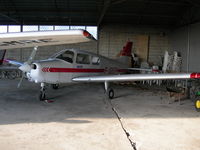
32, 56
26, 67
20, 82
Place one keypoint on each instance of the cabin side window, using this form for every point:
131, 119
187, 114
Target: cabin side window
67, 56
82, 59
95, 60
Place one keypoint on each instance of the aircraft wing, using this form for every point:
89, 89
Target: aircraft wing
137, 77
43, 38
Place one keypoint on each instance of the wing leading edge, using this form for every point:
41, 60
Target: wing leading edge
138, 77
43, 38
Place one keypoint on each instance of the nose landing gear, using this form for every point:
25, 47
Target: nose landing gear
42, 95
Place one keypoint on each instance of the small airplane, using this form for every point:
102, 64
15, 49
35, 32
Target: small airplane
72, 65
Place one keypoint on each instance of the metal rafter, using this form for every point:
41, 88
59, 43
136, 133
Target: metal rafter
162, 2
189, 16
5, 14
117, 2
9, 18
103, 12
58, 14
16, 11
142, 14
193, 2
147, 2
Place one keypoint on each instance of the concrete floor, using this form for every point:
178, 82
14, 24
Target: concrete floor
81, 118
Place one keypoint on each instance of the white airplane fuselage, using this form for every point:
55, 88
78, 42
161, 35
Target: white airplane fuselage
71, 63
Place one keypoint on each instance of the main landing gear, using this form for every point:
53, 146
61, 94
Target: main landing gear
55, 86
109, 91
42, 95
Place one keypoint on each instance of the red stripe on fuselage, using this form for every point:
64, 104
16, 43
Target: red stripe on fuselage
78, 70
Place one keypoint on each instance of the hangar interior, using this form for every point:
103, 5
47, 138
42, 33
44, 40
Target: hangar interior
154, 26
167, 25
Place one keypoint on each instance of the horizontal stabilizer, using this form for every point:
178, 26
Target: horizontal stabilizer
13, 62
43, 38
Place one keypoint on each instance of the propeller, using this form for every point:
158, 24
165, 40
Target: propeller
20, 82
26, 66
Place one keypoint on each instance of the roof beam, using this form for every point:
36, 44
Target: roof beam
163, 2
142, 14
9, 18
193, 2
153, 1
117, 1
103, 12
16, 11
36, 10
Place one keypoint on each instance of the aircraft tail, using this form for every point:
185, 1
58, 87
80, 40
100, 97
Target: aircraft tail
127, 49
8, 61
125, 55
2, 55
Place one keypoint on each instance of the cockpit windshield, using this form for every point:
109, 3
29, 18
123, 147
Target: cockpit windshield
67, 56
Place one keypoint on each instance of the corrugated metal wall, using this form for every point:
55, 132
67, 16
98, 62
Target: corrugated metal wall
186, 40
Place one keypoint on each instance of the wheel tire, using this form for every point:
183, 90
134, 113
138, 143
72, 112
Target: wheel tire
55, 86
110, 93
42, 96
197, 104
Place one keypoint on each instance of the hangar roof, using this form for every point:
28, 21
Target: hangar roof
169, 13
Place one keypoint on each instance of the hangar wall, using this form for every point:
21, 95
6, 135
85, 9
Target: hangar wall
112, 38
186, 41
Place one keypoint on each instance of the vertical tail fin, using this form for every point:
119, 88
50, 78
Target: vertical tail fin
125, 54
2, 55
127, 49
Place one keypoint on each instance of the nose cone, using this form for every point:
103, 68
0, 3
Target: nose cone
25, 68
36, 74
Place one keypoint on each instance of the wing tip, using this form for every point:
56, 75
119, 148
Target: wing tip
88, 35
195, 75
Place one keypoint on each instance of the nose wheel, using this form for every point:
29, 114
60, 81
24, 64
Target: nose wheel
42, 95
